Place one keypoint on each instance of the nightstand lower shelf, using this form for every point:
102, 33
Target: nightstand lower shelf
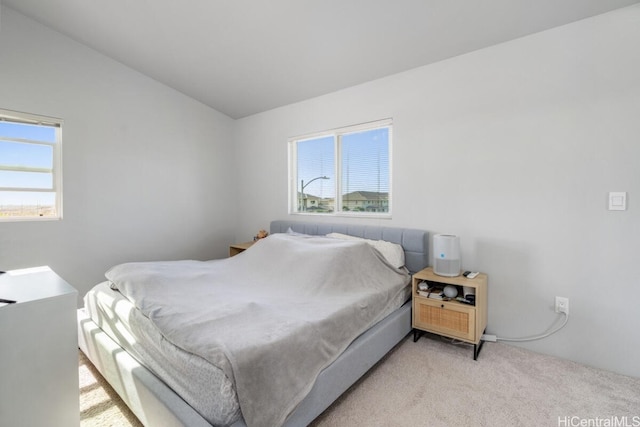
417, 333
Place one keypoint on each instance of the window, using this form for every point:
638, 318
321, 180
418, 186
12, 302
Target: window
30, 175
353, 162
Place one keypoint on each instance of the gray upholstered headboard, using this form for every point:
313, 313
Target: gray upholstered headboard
415, 242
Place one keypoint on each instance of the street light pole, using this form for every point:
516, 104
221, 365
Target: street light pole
303, 185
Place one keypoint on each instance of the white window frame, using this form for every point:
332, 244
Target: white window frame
56, 169
337, 135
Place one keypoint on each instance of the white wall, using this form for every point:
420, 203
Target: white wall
514, 148
145, 168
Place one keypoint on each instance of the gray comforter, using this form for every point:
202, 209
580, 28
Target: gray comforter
271, 317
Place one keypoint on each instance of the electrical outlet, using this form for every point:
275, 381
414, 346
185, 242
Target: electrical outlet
562, 305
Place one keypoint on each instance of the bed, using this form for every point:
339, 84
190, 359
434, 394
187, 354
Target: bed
148, 393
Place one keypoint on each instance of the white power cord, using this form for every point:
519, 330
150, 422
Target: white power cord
493, 338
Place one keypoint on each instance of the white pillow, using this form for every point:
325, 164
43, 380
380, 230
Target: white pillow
392, 252
295, 233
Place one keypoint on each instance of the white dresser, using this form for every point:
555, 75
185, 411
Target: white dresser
38, 350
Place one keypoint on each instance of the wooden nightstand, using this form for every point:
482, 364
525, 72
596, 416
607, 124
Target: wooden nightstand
236, 248
451, 318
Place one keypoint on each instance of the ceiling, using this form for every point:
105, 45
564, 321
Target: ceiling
243, 57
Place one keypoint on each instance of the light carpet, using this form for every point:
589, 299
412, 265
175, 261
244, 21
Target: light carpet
100, 405
436, 383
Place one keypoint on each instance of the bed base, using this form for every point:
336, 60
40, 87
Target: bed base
154, 403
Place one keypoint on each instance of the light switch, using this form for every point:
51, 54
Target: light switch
617, 201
